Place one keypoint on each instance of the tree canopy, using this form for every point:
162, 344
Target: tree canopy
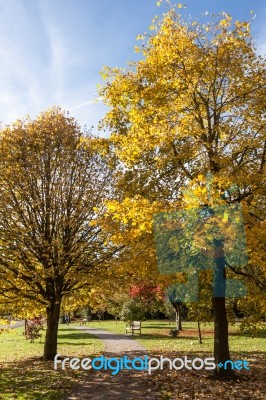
54, 181
193, 105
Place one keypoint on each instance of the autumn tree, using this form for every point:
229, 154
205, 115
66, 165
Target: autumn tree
193, 105
53, 183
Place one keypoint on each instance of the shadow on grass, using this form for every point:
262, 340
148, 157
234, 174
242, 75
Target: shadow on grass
252, 354
167, 326
163, 337
157, 326
259, 334
74, 335
63, 343
28, 379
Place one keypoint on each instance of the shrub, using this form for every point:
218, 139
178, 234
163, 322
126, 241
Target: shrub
33, 329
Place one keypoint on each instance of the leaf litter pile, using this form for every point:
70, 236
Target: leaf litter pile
201, 384
35, 379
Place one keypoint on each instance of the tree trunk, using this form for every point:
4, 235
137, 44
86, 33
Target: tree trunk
50, 346
26, 327
221, 341
178, 318
199, 333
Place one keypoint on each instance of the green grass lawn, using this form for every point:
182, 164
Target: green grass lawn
155, 337
173, 385
25, 376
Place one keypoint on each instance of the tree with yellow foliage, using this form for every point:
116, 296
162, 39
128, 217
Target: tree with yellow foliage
53, 183
194, 104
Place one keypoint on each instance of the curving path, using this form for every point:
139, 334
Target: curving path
126, 385
114, 343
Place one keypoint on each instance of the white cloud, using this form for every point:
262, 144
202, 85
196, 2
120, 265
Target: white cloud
51, 53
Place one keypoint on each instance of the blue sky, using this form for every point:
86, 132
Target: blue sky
52, 51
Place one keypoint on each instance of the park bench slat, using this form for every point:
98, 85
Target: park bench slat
134, 326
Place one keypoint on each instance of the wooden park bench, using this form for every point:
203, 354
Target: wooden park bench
134, 326
79, 320
83, 321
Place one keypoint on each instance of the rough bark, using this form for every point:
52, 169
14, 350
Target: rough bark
221, 339
199, 333
25, 327
50, 346
177, 307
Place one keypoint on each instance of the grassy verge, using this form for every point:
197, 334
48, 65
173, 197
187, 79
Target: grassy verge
24, 376
184, 384
155, 337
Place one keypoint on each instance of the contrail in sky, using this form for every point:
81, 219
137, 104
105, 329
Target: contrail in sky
85, 103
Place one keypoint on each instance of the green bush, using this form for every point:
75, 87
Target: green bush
133, 310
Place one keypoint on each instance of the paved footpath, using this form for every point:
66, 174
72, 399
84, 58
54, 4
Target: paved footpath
126, 385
